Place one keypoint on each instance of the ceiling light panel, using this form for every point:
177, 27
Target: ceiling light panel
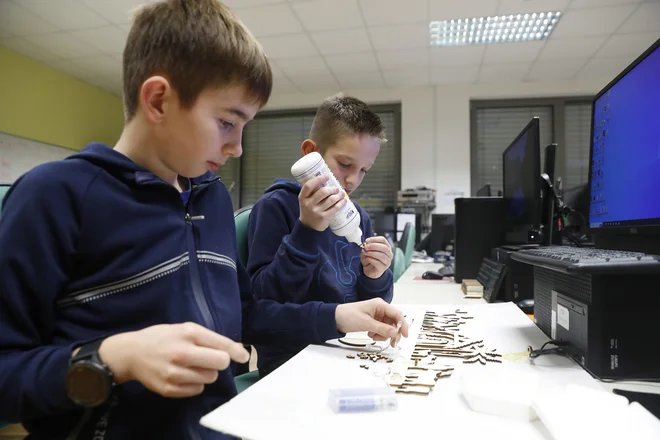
496, 29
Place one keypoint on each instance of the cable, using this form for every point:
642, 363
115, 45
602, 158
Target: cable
533, 354
559, 350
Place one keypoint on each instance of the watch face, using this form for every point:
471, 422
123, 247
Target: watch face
88, 384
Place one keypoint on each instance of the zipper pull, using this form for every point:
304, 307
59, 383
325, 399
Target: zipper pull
190, 219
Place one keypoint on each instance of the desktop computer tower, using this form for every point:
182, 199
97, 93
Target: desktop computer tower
609, 322
518, 283
479, 228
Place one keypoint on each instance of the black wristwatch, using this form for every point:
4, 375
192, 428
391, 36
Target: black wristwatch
89, 381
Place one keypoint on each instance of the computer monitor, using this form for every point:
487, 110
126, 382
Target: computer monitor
522, 185
484, 191
442, 232
624, 170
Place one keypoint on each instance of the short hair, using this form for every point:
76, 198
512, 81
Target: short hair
341, 115
195, 44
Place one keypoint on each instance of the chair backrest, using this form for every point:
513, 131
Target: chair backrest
410, 246
242, 221
407, 242
399, 264
4, 188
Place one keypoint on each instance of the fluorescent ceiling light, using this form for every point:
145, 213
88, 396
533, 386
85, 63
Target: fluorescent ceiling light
500, 29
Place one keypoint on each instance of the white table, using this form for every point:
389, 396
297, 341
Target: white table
291, 403
410, 290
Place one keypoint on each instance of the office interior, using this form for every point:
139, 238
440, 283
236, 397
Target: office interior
479, 99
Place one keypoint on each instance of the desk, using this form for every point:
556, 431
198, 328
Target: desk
291, 403
409, 290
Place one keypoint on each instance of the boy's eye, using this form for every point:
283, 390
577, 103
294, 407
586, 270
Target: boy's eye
364, 171
344, 165
225, 124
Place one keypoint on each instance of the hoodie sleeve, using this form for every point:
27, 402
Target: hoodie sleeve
38, 232
368, 288
267, 322
281, 259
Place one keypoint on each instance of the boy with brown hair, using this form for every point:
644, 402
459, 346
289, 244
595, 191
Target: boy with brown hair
293, 255
122, 297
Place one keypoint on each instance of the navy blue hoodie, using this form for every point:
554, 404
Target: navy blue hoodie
96, 245
289, 262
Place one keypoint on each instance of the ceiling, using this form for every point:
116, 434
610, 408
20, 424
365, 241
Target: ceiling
332, 45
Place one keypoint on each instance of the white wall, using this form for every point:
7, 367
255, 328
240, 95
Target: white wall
435, 125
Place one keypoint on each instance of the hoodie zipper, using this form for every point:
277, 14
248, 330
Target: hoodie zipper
195, 276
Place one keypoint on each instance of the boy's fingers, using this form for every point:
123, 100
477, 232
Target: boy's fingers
388, 313
337, 206
378, 247
378, 259
180, 375
206, 338
208, 358
380, 329
312, 185
330, 201
323, 194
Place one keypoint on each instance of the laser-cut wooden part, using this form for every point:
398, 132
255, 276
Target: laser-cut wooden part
443, 374
483, 356
413, 390
350, 356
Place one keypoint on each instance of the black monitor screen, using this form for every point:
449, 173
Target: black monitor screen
625, 149
522, 179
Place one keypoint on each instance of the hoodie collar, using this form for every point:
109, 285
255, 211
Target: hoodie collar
285, 184
125, 169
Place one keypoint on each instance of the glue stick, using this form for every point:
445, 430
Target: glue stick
346, 223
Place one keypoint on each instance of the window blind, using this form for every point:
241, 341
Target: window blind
377, 191
230, 175
578, 144
271, 145
496, 128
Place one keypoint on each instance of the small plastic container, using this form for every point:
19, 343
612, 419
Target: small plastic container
348, 400
346, 223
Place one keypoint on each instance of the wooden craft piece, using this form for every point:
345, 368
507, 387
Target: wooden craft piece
483, 356
413, 390
350, 356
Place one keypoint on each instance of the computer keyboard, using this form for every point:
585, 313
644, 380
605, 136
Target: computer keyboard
589, 260
491, 274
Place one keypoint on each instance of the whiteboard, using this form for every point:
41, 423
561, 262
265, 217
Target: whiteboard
19, 155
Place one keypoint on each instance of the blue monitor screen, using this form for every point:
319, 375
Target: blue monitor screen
625, 166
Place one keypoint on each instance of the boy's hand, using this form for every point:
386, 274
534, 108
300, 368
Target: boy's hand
175, 360
376, 256
374, 316
318, 203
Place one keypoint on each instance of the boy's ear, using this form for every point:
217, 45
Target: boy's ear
155, 97
308, 146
